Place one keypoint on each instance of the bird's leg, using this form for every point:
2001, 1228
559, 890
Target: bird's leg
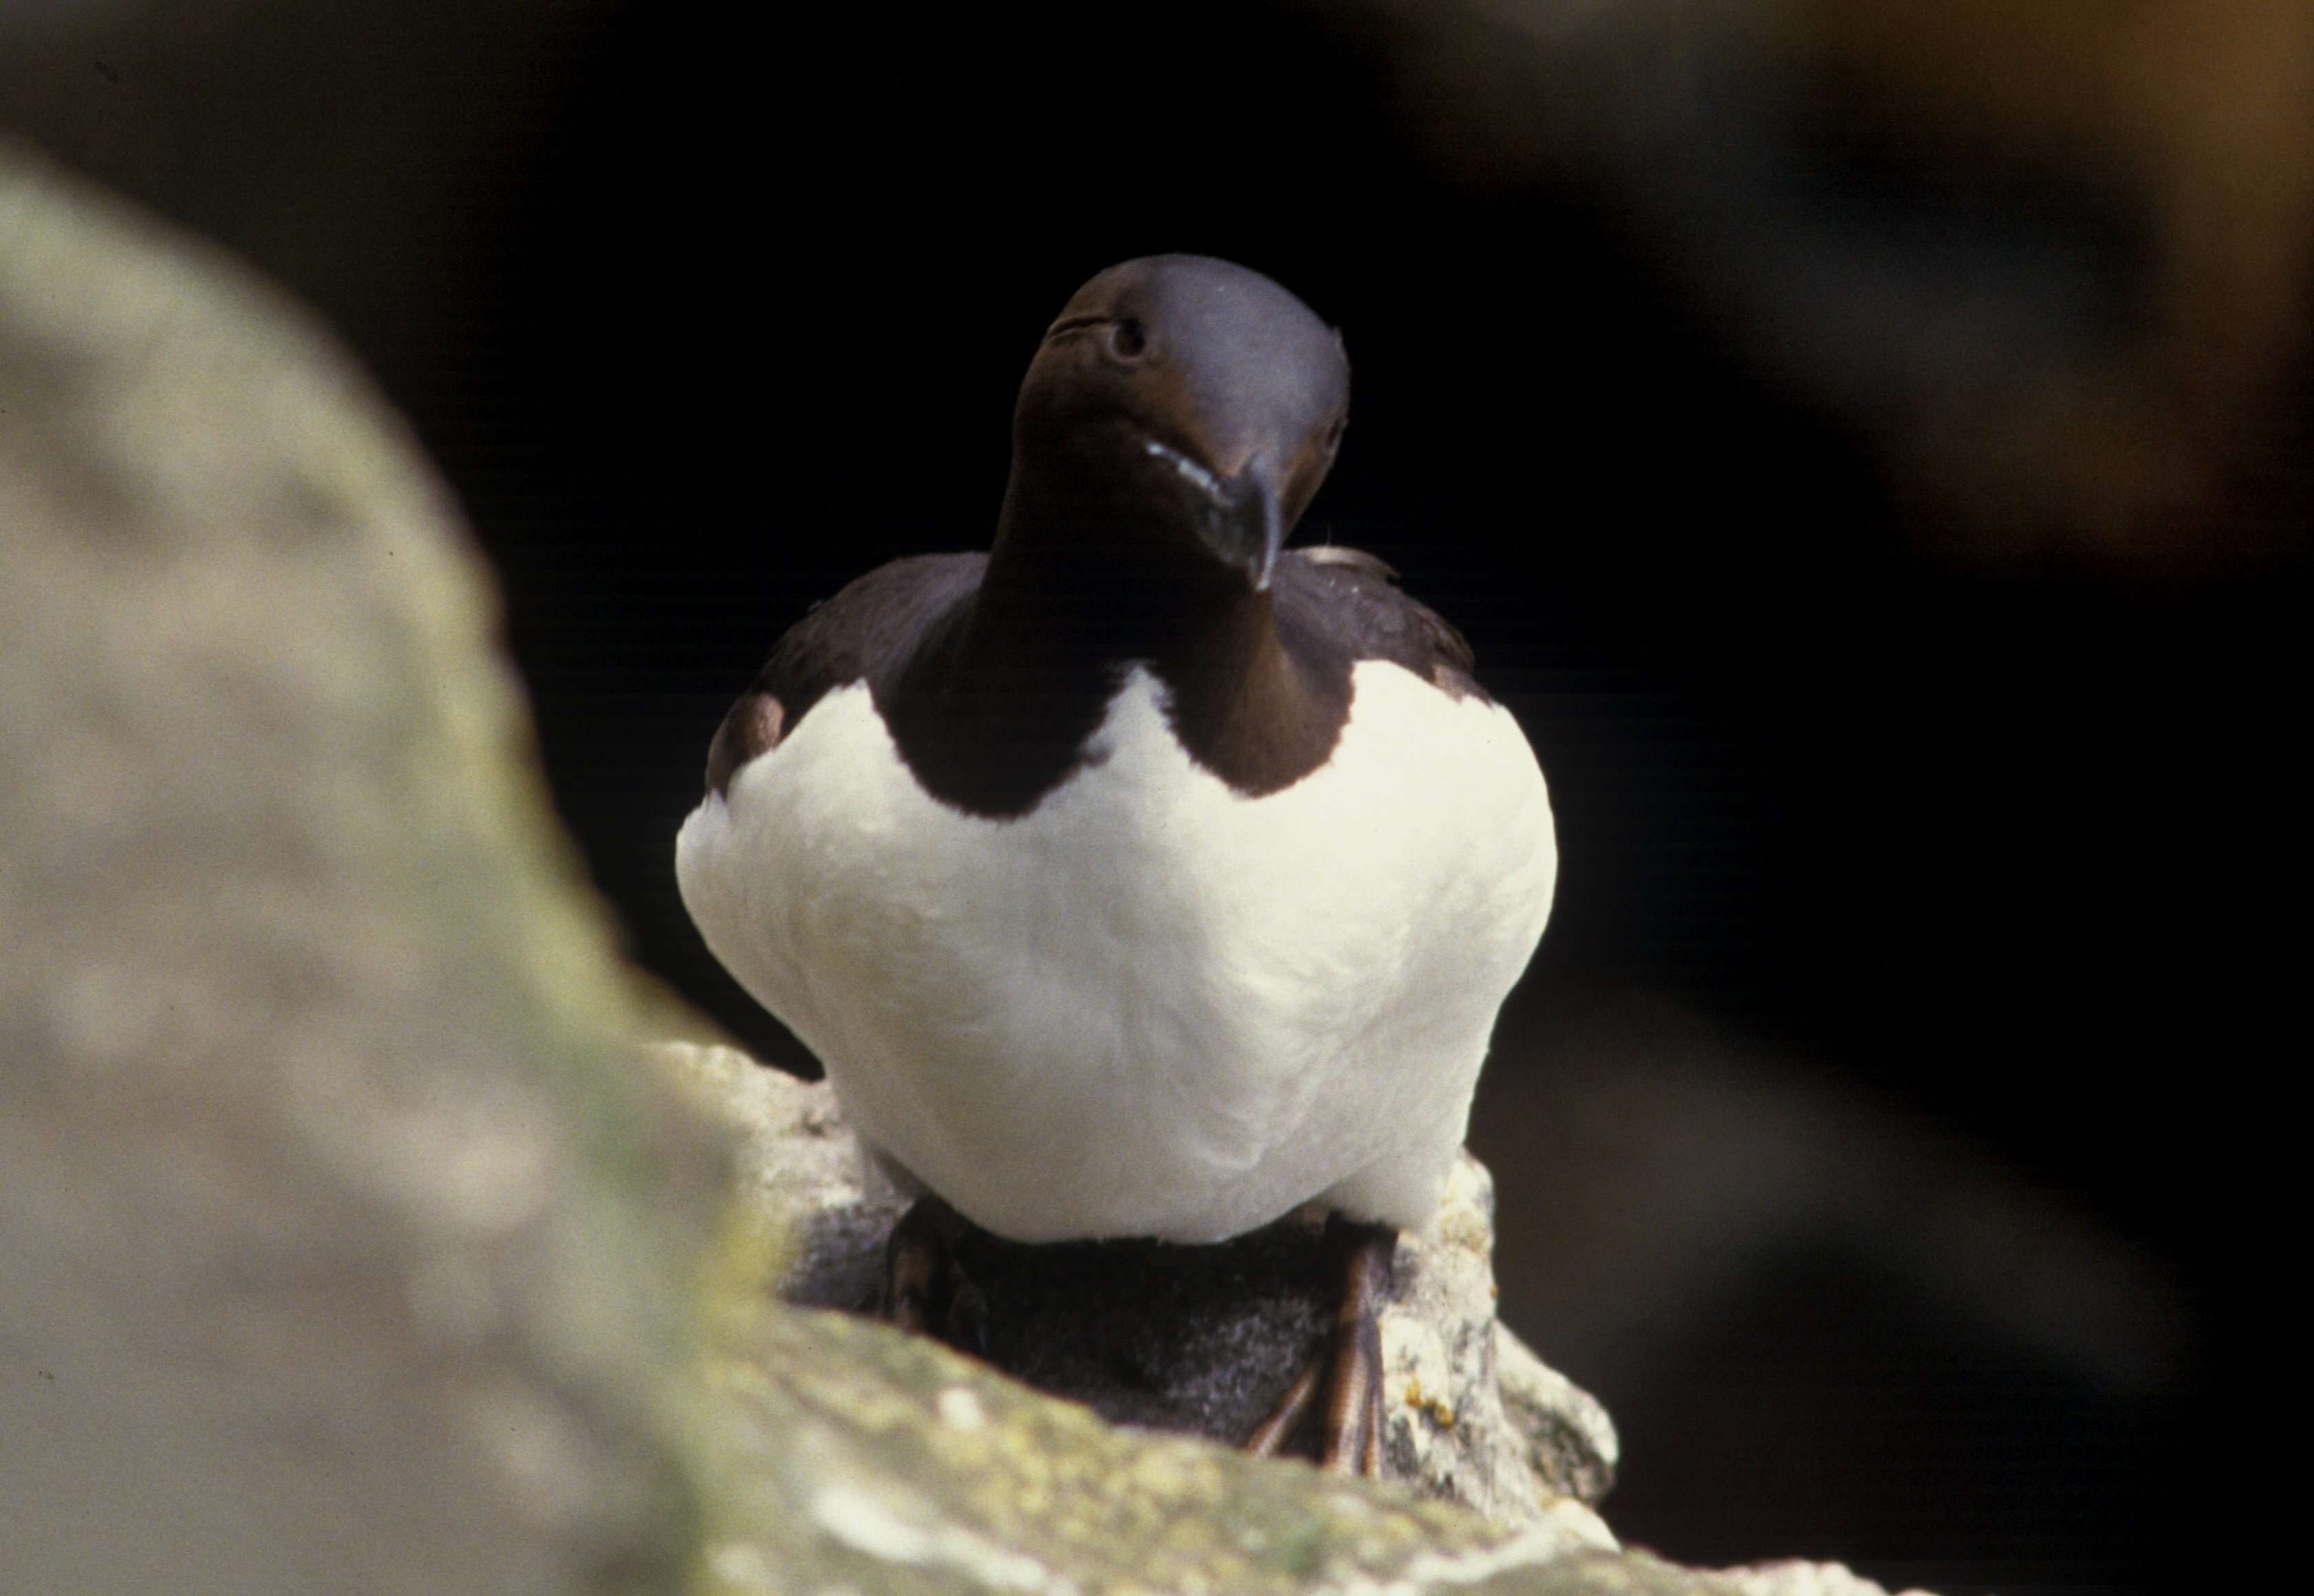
1352, 1439
916, 1264
1286, 1416
1350, 1369
925, 1287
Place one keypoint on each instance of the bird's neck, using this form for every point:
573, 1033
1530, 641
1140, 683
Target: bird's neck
1081, 586
999, 710
1091, 574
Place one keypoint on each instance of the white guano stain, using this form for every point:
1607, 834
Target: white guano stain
960, 1409
873, 1526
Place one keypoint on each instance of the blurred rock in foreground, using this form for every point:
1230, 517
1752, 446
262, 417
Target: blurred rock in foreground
341, 1248
345, 1248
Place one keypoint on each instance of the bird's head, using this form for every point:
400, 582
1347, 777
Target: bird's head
1189, 395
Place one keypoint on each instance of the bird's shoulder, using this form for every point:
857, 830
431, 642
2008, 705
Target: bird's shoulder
1347, 604
868, 631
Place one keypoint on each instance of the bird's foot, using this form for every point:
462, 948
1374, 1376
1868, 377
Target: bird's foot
925, 1288
1350, 1368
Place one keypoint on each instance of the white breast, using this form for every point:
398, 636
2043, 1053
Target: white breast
1152, 1006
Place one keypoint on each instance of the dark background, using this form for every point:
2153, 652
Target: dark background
1870, 455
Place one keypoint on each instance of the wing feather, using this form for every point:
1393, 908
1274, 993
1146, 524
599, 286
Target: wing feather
872, 628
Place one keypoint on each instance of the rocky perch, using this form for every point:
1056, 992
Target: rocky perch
347, 1245
859, 1453
1196, 1339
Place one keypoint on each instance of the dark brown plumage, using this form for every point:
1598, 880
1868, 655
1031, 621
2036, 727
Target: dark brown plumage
898, 627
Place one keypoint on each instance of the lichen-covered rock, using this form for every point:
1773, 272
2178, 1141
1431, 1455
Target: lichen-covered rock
1196, 1339
850, 1456
861, 1460
1570, 1442
867, 1458
799, 1166
1474, 1415
1803, 1578
340, 1244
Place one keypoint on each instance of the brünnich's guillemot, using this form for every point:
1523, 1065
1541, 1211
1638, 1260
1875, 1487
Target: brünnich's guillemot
1137, 877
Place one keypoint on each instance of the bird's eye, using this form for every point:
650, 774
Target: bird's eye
1127, 339
1334, 433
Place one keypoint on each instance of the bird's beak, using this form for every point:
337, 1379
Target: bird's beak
1248, 525
1243, 522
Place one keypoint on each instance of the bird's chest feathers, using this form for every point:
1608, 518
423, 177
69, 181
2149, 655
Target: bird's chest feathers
1146, 954
1142, 877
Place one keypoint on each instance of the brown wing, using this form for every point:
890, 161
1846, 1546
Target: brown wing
1345, 602
868, 629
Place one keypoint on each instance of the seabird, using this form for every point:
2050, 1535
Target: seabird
1139, 877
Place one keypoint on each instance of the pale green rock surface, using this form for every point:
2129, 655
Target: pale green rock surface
867, 1460
876, 1451
344, 1246
340, 1246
